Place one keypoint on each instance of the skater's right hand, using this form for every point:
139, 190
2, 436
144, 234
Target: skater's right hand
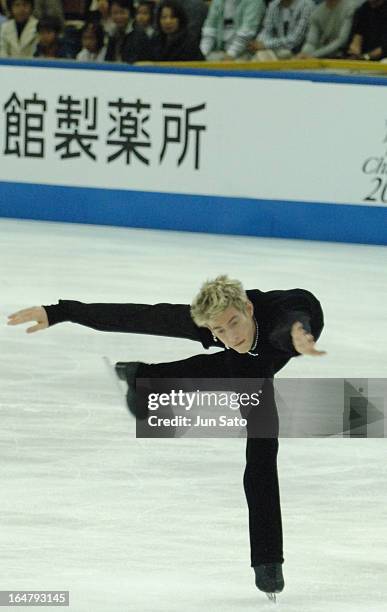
36, 313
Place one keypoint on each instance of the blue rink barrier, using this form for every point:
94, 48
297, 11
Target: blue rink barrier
188, 212
214, 214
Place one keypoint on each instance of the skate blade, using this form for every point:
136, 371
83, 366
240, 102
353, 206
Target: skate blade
272, 597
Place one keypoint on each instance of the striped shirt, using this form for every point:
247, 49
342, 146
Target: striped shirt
286, 26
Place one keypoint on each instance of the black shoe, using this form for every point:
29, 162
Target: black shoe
269, 578
127, 370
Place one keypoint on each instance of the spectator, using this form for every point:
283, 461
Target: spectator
3, 18
100, 11
173, 42
144, 17
229, 26
50, 45
329, 29
369, 32
284, 30
93, 47
49, 8
75, 15
126, 44
75, 11
18, 36
196, 11
3, 12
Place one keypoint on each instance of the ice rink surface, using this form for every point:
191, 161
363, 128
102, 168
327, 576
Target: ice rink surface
161, 525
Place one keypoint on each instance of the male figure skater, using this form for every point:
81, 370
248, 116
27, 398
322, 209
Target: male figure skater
259, 332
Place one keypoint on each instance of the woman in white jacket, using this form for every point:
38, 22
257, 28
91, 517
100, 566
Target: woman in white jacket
18, 36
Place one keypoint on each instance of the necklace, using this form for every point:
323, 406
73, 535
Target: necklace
250, 352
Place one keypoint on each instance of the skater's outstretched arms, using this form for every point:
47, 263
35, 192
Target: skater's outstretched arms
172, 320
36, 313
295, 321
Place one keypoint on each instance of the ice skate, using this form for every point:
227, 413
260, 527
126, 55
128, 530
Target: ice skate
269, 579
127, 371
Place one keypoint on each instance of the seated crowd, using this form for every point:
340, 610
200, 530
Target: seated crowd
193, 30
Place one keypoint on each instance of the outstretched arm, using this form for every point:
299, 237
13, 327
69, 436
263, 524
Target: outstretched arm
296, 321
172, 320
303, 341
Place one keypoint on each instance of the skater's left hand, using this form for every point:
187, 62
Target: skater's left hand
304, 342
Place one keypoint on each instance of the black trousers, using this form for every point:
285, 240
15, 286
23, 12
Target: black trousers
263, 499
260, 478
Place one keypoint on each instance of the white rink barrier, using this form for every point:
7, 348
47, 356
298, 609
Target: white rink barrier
268, 154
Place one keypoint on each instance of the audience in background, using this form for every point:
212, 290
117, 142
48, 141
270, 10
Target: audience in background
173, 41
49, 8
329, 29
284, 29
18, 35
369, 31
93, 43
126, 44
3, 14
144, 18
50, 44
196, 11
75, 11
100, 12
229, 27
193, 30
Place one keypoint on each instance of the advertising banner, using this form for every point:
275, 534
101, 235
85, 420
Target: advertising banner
261, 138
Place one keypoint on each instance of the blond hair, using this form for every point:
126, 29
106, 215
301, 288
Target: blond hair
215, 296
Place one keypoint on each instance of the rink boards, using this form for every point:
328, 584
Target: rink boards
295, 156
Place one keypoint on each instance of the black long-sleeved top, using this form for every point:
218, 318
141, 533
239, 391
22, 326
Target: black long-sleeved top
371, 24
180, 47
275, 312
133, 46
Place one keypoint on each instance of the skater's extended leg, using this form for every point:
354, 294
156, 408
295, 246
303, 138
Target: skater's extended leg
263, 499
200, 366
215, 365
